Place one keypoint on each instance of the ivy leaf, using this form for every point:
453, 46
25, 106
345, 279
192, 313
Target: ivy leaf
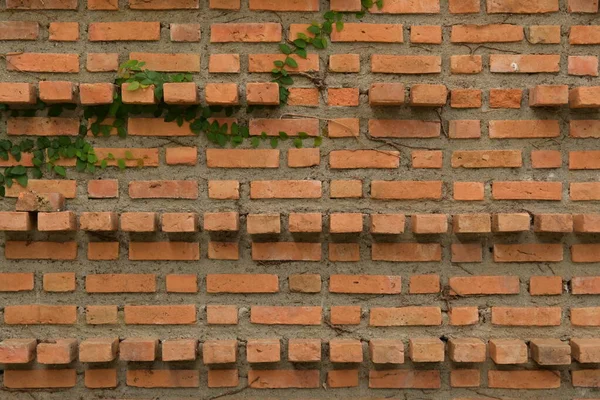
301, 43
255, 142
329, 15
23, 180
122, 132
302, 135
135, 85
298, 143
318, 141
285, 49
222, 139
339, 26
80, 165
379, 4
2, 191
302, 53
283, 135
36, 173
278, 63
129, 155
291, 62
286, 80
55, 110
60, 170
315, 30
121, 164
274, 143
359, 14
103, 164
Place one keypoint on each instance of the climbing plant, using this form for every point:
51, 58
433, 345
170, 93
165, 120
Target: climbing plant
48, 155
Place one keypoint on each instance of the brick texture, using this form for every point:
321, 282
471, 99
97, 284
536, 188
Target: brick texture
442, 243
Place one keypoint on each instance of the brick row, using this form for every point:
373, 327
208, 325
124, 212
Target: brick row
63, 282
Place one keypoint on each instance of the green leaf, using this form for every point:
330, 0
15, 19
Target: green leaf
359, 14
36, 173
285, 49
18, 170
301, 43
301, 53
283, 135
121, 164
23, 180
274, 143
2, 191
298, 143
122, 132
222, 139
129, 155
302, 135
286, 80
135, 85
291, 62
329, 15
339, 26
103, 164
60, 170
318, 141
314, 29
80, 165
379, 4
255, 142
278, 63
55, 110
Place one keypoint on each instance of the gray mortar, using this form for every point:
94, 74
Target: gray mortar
245, 330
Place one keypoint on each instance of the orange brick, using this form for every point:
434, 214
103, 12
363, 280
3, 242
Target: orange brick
585, 350
554, 223
345, 315
428, 159
467, 350
505, 98
16, 282
492, 33
163, 4
225, 221
59, 282
526, 190
100, 378
160, 315
508, 351
426, 224
464, 6
263, 350
370, 284
101, 315
345, 351
221, 378
404, 64
179, 350
466, 253
102, 349
345, 63
40, 378
405, 316
386, 351
57, 91
468, 191
242, 283
19, 30
15, 221
425, 95
102, 62
139, 222
166, 378
57, 221
106, 5
586, 223
524, 63
550, 352
339, 189
123, 31
426, 34
185, 32
387, 223
464, 129
219, 351
43, 62
304, 350
168, 62
471, 223
583, 65
406, 190
526, 316
549, 96
462, 316
224, 64
279, 315
305, 283
465, 98
224, 94
544, 34
93, 94
179, 222
466, 64
343, 97
221, 315
426, 350
529, 252
99, 251
266, 94
465, 378
17, 351
223, 251
182, 283
63, 32
245, 32
424, 284
138, 349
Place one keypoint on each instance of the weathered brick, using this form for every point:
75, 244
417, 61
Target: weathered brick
405, 316
526, 316
493, 33
245, 32
508, 351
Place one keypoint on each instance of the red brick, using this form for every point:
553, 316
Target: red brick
364, 32
42, 126
585, 350
526, 190
545, 285
508, 351
468, 191
156, 251
528, 252
550, 352
483, 285
223, 251
59, 282
267, 315
583, 6
584, 97
586, 378
245, 32
465, 98
106, 5
168, 62
427, 159
465, 378
19, 30
242, 283
163, 189
293, 127
300, 189
404, 379
138, 349
467, 350
63, 31
221, 378
40, 378
93, 94
221, 315
15, 221
402, 7
284, 379
406, 252
56, 91
553, 223
167, 378
219, 351
581, 253
386, 94
424, 284
99, 251
537, 379
43, 62
531, 7
17, 351
394, 64
17, 93
120, 283
19, 250
263, 350
342, 378
16, 282
101, 315
428, 224
584, 191
160, 315
185, 32
101, 349
463, 316
406, 190
546, 159
585, 316
305, 283
123, 31
426, 34
343, 97
103, 189
464, 129
466, 64
344, 189
139, 222
179, 222
464, 6
370, 284
392, 224
526, 316
584, 34
345, 351
492, 33
345, 315
586, 223
224, 63
405, 316
466, 253
102, 62
583, 65
471, 223
224, 190
425, 95
301, 158
346, 63
179, 350
524, 63
100, 378
304, 350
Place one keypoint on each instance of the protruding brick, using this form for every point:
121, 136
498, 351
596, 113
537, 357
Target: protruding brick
386, 351
424, 95
550, 352
467, 350
586, 350
549, 96
98, 349
263, 350
427, 224
17, 351
471, 223
426, 350
219, 351
553, 223
508, 351
59, 351
138, 349
304, 350
57, 221
179, 350
345, 351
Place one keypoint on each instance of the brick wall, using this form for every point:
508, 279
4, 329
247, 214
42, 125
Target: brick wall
442, 243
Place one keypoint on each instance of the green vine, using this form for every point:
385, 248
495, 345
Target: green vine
100, 120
